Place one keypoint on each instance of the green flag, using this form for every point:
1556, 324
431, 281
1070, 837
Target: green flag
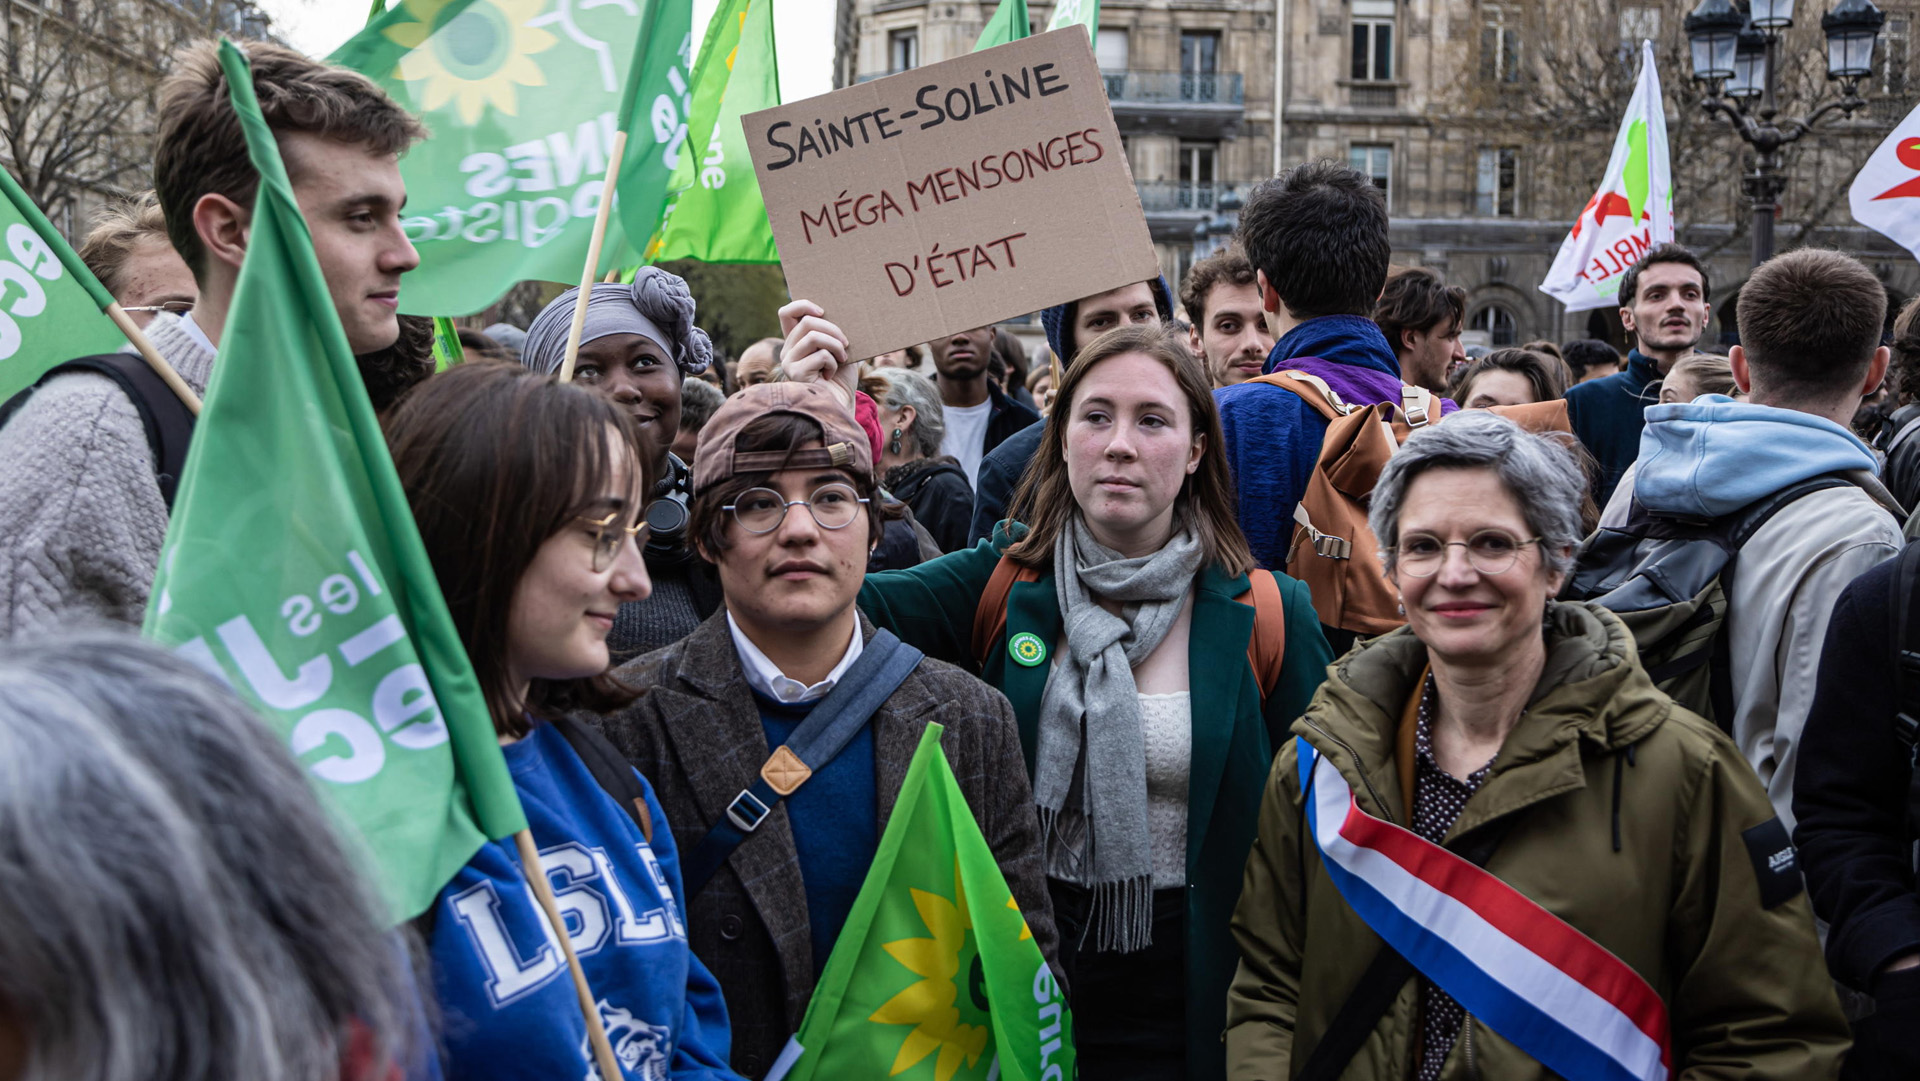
447, 350
1084, 12
51, 306
292, 569
935, 975
1010, 22
717, 215
523, 98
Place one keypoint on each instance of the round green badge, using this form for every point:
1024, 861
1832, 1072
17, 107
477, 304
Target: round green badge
1027, 648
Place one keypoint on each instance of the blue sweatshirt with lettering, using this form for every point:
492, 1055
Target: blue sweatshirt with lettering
508, 1007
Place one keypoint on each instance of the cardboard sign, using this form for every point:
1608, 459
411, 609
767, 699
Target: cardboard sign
955, 195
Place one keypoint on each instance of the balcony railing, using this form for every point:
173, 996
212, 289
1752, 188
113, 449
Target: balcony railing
1175, 88
1180, 196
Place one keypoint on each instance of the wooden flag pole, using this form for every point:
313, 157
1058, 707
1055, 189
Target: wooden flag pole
154, 360
614, 154
589, 1009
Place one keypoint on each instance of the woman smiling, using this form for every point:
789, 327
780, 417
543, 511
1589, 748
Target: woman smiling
1639, 910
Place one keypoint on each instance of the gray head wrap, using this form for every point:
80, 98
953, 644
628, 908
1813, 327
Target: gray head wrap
656, 305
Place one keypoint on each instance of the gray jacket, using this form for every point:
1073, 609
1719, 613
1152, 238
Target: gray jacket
696, 735
81, 515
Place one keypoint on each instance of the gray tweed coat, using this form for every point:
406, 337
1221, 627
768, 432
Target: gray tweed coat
696, 735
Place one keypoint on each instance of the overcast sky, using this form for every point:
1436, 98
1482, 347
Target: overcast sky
803, 28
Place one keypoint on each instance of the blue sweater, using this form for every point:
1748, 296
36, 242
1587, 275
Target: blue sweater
835, 819
507, 1003
1607, 415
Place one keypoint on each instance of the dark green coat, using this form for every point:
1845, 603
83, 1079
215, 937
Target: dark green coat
931, 606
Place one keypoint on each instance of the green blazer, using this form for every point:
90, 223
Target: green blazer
932, 605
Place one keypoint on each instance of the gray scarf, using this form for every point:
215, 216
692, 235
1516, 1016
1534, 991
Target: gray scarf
1090, 779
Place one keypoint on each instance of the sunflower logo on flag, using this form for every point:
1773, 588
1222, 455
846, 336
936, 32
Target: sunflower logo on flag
935, 1004
477, 56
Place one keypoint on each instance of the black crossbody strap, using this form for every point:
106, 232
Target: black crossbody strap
1380, 984
884, 664
1905, 643
610, 770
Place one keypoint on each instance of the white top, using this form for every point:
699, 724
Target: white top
966, 437
1166, 728
767, 678
194, 332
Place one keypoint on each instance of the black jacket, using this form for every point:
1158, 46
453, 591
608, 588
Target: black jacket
1006, 417
942, 501
1000, 473
1851, 794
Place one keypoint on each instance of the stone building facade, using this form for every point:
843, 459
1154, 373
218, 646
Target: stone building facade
1486, 122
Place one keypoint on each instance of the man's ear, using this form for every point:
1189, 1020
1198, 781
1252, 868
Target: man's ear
1742, 373
1407, 335
1626, 319
1269, 297
1876, 371
222, 225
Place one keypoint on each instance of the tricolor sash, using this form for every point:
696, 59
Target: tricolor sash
1543, 986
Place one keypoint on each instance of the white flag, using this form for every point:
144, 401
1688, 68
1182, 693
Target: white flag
1886, 195
1632, 211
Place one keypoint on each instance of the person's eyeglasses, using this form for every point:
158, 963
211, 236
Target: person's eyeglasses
1490, 551
171, 307
608, 536
761, 510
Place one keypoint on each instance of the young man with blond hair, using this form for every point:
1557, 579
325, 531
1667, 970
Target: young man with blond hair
82, 511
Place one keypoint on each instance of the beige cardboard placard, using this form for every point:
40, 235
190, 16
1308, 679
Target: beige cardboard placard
954, 195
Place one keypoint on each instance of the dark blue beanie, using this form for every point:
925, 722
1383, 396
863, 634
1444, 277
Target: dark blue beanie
1057, 321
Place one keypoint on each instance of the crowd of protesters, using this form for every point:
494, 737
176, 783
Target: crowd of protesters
1629, 644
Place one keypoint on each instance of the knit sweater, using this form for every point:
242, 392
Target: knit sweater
81, 515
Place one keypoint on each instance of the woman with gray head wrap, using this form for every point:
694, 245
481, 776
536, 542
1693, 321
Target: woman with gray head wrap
637, 346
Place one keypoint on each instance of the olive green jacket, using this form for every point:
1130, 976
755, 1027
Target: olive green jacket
1678, 897
931, 606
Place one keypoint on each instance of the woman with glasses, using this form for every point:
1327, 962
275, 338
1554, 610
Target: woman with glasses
1152, 668
528, 494
784, 508
1576, 877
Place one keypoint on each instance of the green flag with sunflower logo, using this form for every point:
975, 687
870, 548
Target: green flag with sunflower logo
523, 98
935, 976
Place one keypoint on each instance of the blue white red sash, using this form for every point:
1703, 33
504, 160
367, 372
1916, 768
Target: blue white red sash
1543, 986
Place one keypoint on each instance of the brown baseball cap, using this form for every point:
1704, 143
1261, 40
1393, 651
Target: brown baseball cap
844, 445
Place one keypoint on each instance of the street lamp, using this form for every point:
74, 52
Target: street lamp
1736, 57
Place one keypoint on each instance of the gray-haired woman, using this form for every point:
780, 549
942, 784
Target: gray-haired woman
173, 902
911, 467
638, 343
1637, 898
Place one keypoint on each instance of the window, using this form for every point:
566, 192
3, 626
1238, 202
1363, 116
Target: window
1498, 324
1892, 54
1500, 47
1199, 52
903, 50
1111, 50
1376, 163
1197, 175
1496, 181
1372, 40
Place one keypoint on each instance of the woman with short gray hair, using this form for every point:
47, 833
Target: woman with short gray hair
912, 469
174, 905
1630, 890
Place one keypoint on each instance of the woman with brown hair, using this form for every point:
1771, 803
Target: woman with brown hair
1152, 668
528, 494
1509, 377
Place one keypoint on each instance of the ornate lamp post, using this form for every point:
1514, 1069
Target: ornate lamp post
1736, 58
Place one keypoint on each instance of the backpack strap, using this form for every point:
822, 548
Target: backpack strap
990, 615
611, 771
168, 423
1417, 405
1312, 389
884, 664
1267, 648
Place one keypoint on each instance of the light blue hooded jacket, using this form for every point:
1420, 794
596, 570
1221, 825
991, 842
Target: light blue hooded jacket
1714, 455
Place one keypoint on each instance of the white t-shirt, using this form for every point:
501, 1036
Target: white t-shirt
966, 437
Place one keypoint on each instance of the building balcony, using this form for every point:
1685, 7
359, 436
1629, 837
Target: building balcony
1176, 103
1175, 207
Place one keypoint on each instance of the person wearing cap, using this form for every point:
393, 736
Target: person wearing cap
637, 344
786, 507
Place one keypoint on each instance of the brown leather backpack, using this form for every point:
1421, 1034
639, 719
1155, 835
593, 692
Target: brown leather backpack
1333, 551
